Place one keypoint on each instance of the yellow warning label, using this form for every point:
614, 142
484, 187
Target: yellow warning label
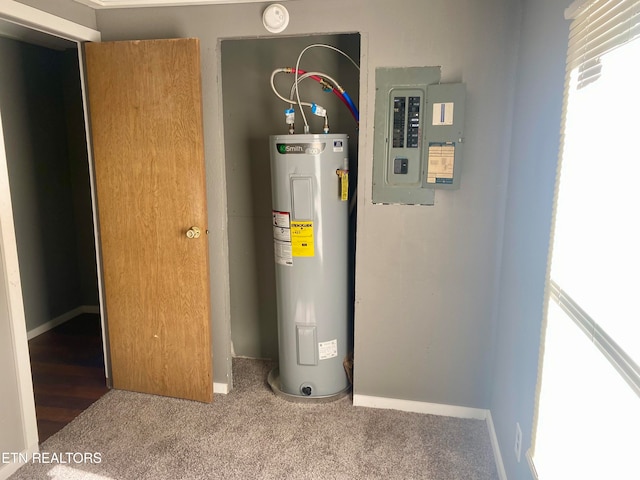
302, 238
344, 185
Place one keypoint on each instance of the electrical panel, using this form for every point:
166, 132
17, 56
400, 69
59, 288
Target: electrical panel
418, 135
444, 135
405, 127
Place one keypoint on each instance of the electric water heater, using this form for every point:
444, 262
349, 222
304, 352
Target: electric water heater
309, 180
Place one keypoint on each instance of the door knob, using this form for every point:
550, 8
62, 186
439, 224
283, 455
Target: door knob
193, 232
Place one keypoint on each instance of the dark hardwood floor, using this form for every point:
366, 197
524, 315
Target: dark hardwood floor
67, 367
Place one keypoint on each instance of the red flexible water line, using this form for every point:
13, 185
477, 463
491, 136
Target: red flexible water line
334, 90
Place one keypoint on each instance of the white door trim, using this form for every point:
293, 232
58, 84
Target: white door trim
45, 22
13, 292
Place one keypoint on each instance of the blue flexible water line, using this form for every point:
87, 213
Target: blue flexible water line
354, 109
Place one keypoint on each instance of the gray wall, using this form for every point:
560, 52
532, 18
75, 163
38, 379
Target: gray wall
426, 277
41, 162
534, 155
251, 113
428, 332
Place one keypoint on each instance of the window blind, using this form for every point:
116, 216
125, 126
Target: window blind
590, 145
594, 258
623, 363
599, 27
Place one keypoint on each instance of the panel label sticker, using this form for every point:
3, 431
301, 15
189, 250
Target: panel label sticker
443, 113
338, 146
328, 349
440, 164
302, 242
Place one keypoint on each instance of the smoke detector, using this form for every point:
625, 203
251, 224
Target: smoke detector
275, 18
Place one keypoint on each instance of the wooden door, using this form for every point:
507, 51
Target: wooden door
146, 125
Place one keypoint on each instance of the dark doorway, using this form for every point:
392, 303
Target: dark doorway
46, 150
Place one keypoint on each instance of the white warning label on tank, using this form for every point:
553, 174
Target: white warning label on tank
280, 219
282, 252
282, 234
328, 349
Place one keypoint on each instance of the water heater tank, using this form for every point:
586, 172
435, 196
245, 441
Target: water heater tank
310, 236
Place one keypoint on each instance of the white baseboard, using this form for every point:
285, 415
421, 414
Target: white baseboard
419, 407
502, 473
95, 309
8, 469
65, 317
222, 388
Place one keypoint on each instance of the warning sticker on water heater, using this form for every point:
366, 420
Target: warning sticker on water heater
302, 239
282, 238
282, 253
280, 219
282, 234
328, 349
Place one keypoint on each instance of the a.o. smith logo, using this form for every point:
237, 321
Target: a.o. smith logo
304, 148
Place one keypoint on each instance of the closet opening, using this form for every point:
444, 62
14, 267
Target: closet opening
252, 112
45, 144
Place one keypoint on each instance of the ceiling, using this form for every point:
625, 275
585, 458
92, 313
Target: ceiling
156, 3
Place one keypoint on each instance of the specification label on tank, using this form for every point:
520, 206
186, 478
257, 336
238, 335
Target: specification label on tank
302, 238
282, 248
282, 252
328, 349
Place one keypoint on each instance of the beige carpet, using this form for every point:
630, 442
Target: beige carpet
252, 434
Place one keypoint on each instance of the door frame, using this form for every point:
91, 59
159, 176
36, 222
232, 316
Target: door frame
38, 20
